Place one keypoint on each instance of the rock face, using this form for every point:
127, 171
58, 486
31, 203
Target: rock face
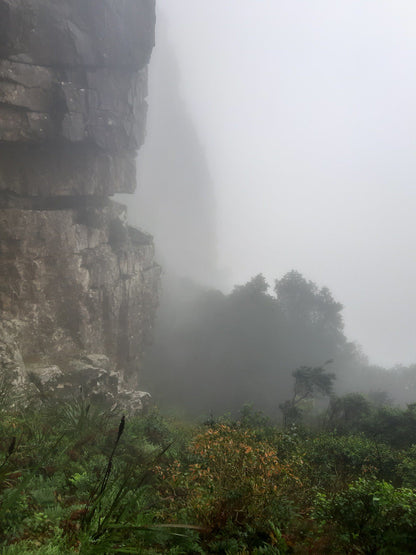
75, 280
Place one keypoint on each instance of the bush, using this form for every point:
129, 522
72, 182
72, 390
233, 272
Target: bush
370, 516
236, 483
332, 461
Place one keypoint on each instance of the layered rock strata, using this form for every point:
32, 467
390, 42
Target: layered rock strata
76, 281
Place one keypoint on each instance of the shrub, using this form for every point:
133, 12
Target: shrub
370, 516
236, 483
332, 460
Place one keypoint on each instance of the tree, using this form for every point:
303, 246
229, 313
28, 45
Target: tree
347, 412
216, 351
256, 286
302, 300
313, 320
310, 382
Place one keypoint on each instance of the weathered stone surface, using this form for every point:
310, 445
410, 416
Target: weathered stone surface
25, 86
101, 106
82, 280
43, 375
64, 170
73, 84
11, 361
93, 33
87, 377
78, 286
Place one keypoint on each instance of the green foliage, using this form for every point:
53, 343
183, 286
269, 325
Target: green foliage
347, 413
333, 460
71, 482
79, 479
393, 425
354, 413
237, 486
370, 516
406, 468
255, 421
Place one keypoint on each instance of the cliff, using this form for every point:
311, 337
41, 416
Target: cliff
78, 285
177, 199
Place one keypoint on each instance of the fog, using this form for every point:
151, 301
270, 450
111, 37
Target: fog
304, 116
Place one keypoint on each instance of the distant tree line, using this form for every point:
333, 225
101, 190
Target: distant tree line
216, 351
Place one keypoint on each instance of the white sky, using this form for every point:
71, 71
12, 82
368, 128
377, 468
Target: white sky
307, 112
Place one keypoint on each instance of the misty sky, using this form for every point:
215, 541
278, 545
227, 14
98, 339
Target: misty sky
307, 113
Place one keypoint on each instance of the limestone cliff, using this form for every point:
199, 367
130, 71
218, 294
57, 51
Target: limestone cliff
78, 285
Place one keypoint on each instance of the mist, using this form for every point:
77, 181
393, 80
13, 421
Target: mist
230, 367
175, 197
306, 113
285, 131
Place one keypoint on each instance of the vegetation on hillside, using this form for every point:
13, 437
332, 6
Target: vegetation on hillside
316, 472
78, 478
216, 351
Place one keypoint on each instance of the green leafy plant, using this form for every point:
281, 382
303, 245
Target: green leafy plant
236, 483
370, 516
